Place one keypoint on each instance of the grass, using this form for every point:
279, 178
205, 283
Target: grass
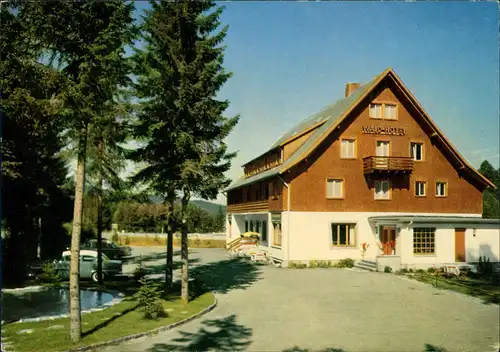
476, 287
150, 241
119, 320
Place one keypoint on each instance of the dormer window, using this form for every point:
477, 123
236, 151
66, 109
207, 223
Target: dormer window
376, 111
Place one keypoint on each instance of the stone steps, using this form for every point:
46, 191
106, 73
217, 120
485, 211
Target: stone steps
366, 265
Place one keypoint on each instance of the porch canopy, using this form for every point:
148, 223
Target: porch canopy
412, 219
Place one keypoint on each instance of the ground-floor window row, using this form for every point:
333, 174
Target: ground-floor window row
260, 226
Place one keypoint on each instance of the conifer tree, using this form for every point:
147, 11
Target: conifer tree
182, 122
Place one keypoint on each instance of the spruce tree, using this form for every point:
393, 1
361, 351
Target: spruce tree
87, 40
182, 122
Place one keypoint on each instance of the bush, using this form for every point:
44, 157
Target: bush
485, 267
115, 237
387, 269
149, 299
404, 270
139, 272
49, 273
420, 271
411, 270
345, 263
431, 270
297, 265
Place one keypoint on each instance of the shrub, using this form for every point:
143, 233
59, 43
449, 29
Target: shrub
115, 238
149, 299
49, 273
404, 270
411, 270
431, 270
420, 271
485, 267
345, 263
313, 264
139, 272
297, 265
387, 269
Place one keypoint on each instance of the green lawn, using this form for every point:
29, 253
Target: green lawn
483, 289
119, 320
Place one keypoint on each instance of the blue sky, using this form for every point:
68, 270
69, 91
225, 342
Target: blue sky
290, 59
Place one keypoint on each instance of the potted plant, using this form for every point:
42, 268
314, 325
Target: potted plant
364, 248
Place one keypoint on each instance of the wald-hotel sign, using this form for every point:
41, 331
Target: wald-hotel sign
394, 131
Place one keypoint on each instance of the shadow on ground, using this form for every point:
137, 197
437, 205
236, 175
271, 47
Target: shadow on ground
226, 275
427, 348
160, 268
216, 335
148, 258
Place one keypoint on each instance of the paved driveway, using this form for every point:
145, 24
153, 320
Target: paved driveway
262, 308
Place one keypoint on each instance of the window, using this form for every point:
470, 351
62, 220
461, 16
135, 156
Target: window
87, 258
417, 150
441, 190
251, 225
257, 226
264, 231
276, 221
382, 190
390, 111
423, 240
246, 226
334, 188
344, 235
420, 188
347, 149
376, 111
271, 190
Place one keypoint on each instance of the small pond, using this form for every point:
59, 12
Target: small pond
39, 302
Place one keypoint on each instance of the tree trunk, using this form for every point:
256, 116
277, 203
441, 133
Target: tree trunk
99, 212
184, 249
169, 270
74, 280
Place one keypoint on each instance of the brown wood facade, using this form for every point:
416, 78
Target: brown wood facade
263, 162
359, 174
308, 178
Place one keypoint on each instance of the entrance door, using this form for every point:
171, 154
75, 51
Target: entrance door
383, 151
460, 245
388, 239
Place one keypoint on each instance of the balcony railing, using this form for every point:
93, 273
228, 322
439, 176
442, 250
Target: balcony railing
248, 207
373, 164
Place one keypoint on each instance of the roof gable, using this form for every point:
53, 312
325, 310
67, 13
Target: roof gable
331, 116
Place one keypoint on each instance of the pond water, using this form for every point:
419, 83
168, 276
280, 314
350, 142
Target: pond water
47, 301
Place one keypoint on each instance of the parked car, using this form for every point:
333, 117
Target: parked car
88, 265
111, 249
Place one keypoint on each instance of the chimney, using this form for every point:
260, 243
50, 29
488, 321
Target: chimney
350, 88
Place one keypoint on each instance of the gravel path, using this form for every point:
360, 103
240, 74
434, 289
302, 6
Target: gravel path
262, 308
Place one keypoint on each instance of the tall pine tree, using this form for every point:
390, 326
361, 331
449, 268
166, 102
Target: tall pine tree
182, 122
87, 40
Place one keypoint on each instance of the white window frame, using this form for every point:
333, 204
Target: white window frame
337, 183
413, 151
420, 186
372, 111
379, 187
345, 144
444, 189
395, 117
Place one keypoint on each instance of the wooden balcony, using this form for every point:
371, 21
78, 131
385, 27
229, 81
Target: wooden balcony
389, 164
248, 207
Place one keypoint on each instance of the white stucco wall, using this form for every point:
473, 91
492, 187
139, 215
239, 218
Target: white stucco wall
311, 238
444, 242
482, 241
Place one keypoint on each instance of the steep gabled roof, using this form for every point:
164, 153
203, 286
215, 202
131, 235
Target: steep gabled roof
331, 116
